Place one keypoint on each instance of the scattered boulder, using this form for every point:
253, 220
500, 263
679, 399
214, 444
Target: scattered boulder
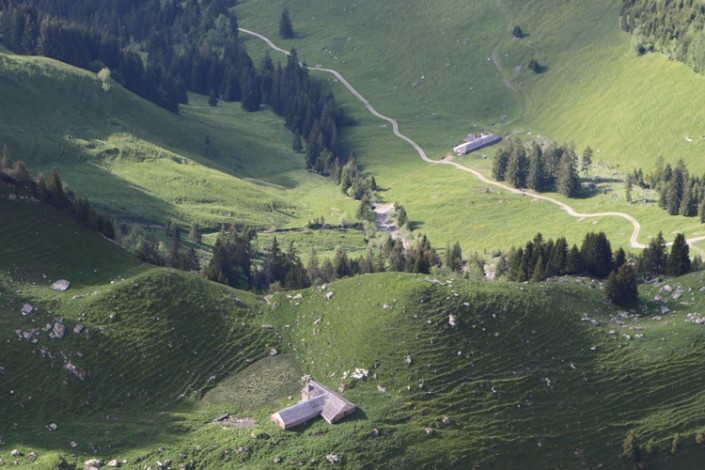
381, 389
360, 374
113, 317
329, 294
52, 427
446, 420
222, 418
332, 458
277, 459
428, 431
375, 432
92, 464
57, 331
78, 329
453, 320
76, 371
61, 285
74, 444
318, 321
33, 455
273, 352
408, 360
114, 463
16, 453
27, 309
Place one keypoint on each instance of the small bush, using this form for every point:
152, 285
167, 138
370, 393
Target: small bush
630, 448
700, 437
675, 443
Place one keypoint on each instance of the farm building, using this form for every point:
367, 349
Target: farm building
316, 400
475, 142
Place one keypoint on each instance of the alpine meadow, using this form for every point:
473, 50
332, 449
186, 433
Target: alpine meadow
314, 234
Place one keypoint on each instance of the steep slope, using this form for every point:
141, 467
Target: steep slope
460, 374
113, 358
137, 161
525, 378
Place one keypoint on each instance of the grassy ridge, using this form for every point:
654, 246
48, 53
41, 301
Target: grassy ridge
135, 160
522, 378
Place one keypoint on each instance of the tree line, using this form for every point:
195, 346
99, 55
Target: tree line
189, 46
675, 28
549, 168
540, 259
51, 191
680, 192
237, 263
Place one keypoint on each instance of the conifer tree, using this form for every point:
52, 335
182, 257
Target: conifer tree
286, 29
535, 177
586, 161
56, 190
621, 288
517, 167
679, 258
654, 257
499, 167
567, 182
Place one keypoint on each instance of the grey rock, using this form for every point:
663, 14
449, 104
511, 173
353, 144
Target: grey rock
58, 331
61, 285
27, 309
92, 464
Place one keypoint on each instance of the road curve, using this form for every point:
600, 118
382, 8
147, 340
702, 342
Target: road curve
633, 241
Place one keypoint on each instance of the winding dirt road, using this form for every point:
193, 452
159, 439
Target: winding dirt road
633, 241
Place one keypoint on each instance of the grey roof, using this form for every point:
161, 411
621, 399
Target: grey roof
317, 399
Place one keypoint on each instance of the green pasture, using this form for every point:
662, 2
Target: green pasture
594, 91
137, 162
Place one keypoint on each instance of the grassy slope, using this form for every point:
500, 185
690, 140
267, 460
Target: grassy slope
523, 380
171, 334
518, 378
595, 92
135, 160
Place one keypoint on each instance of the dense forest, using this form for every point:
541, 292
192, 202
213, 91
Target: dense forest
160, 50
675, 28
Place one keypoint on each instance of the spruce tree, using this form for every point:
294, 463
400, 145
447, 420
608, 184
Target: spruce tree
499, 167
620, 288
586, 161
517, 167
567, 182
675, 187
654, 257
286, 29
597, 255
535, 177
574, 261
679, 258
56, 190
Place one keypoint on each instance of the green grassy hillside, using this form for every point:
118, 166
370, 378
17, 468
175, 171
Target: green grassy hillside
137, 161
594, 91
531, 375
525, 379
